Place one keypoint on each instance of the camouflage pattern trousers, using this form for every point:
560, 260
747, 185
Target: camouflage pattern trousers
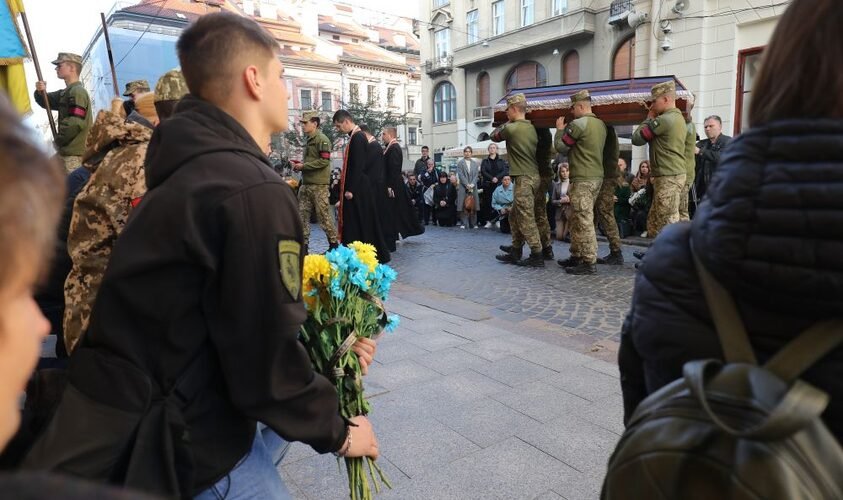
314, 197
667, 190
583, 196
522, 219
71, 163
540, 211
683, 198
605, 215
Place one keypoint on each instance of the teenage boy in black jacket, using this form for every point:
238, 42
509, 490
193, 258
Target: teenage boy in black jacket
210, 261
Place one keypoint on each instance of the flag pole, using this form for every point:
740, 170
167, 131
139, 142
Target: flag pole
38, 72
110, 55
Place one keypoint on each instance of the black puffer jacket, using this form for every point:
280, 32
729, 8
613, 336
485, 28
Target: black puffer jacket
771, 231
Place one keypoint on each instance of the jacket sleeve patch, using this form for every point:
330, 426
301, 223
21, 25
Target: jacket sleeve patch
568, 140
647, 133
78, 111
289, 264
325, 155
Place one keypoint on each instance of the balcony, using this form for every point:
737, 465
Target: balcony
441, 66
483, 114
619, 10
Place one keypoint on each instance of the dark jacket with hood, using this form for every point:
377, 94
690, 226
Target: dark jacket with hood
771, 232
199, 266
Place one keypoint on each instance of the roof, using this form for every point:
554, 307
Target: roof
171, 9
329, 24
615, 101
370, 52
304, 55
387, 38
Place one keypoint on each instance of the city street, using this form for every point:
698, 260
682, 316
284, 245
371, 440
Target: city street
500, 383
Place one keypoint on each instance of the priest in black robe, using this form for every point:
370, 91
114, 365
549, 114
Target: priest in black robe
376, 172
406, 223
358, 217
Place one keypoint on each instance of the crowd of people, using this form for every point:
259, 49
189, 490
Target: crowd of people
180, 318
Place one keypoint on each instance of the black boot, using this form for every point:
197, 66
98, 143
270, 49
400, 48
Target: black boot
511, 257
547, 252
639, 254
506, 248
613, 259
536, 259
569, 262
582, 268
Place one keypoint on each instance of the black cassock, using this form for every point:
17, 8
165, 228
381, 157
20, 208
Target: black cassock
376, 172
359, 221
405, 221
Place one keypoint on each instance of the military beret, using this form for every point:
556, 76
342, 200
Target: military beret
171, 86
309, 115
68, 57
582, 95
136, 86
516, 99
663, 88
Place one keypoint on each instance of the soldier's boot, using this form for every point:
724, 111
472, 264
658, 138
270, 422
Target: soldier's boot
506, 248
614, 258
569, 262
547, 252
582, 268
511, 257
639, 254
536, 259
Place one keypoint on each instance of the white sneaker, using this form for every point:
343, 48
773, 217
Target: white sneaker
462, 227
498, 225
488, 225
644, 234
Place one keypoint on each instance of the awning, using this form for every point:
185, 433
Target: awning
478, 149
617, 102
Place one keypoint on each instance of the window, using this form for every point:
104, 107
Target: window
335, 37
559, 7
497, 18
483, 90
306, 99
443, 43
749, 62
526, 12
526, 75
327, 101
371, 94
412, 136
442, 3
354, 92
472, 26
444, 103
623, 64
390, 97
571, 68
411, 104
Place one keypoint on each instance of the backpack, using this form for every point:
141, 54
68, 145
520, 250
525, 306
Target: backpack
114, 424
733, 430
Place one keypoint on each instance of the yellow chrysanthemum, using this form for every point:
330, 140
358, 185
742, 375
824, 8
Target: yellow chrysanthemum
316, 274
367, 254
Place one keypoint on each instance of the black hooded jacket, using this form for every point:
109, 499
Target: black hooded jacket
198, 265
771, 232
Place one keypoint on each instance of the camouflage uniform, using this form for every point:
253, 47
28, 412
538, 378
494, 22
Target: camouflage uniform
544, 155
74, 109
665, 135
171, 86
115, 155
605, 207
314, 193
690, 171
136, 86
521, 143
583, 141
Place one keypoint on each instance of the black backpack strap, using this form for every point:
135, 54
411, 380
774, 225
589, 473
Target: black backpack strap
806, 349
727, 320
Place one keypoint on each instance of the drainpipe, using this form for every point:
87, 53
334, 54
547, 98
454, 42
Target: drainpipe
654, 42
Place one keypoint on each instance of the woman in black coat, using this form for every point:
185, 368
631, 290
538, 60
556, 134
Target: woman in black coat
445, 201
770, 230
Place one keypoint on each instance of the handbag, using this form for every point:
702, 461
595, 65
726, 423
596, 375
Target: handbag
428, 195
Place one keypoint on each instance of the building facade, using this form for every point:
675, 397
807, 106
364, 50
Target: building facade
475, 51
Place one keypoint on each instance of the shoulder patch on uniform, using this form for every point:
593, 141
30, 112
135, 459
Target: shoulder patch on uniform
289, 252
655, 124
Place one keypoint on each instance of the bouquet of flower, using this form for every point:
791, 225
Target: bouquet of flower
343, 293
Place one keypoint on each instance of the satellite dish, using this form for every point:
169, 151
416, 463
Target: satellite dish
680, 6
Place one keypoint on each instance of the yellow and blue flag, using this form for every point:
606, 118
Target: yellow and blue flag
12, 54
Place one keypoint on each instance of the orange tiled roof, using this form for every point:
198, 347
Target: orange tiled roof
331, 25
304, 55
170, 9
387, 38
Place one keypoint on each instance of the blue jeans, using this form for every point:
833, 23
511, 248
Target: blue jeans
255, 476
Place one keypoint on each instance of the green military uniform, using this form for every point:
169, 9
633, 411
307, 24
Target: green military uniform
544, 155
521, 142
316, 178
583, 141
606, 197
690, 170
666, 135
74, 108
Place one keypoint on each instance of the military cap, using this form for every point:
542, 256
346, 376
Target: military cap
68, 57
582, 95
663, 88
136, 86
309, 115
171, 86
516, 99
